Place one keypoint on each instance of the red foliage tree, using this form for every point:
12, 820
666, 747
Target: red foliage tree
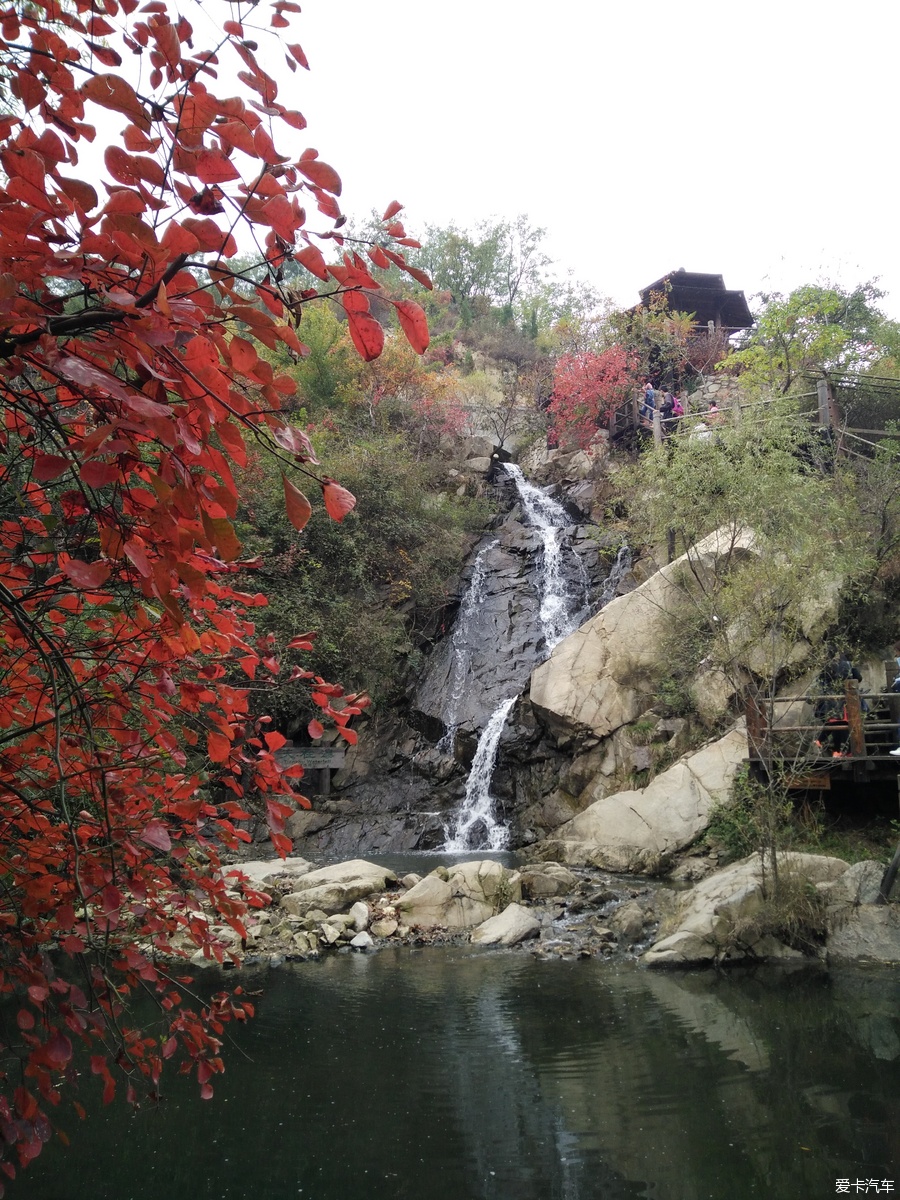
129, 380
587, 388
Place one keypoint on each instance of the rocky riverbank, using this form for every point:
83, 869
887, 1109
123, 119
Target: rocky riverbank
554, 911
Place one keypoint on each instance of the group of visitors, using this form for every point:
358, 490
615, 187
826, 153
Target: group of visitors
830, 708
669, 404
671, 409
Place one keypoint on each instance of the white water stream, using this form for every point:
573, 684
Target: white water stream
477, 809
549, 519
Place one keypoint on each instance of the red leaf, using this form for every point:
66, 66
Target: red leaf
313, 259
321, 175
156, 835
214, 167
419, 276
366, 334
315, 729
414, 324
87, 575
48, 466
338, 501
297, 53
348, 735
218, 747
298, 508
392, 209
274, 741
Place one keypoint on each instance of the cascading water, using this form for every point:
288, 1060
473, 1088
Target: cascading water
460, 648
620, 569
549, 519
477, 809
561, 608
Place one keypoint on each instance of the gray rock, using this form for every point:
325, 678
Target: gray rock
628, 921
384, 928
332, 889
410, 880
275, 870
362, 941
459, 896
860, 884
549, 879
360, 914
870, 932
634, 831
513, 925
713, 922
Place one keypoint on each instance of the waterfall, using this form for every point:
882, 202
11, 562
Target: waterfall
478, 806
619, 570
562, 608
549, 519
460, 649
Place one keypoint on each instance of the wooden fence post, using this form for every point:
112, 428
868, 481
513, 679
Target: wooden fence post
854, 718
657, 427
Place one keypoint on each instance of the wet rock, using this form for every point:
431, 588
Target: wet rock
869, 932
549, 879
628, 921
331, 889
460, 896
513, 925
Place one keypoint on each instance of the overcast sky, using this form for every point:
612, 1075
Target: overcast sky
755, 140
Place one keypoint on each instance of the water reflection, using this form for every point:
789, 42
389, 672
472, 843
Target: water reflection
477, 1075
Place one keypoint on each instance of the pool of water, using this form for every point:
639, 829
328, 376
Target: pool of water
460, 1074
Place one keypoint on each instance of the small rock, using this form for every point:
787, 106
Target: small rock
362, 941
359, 914
384, 928
628, 921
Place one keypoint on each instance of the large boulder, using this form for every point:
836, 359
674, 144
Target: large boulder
636, 830
869, 932
599, 677
270, 871
513, 925
459, 897
333, 889
714, 922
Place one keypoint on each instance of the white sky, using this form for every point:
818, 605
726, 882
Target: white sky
757, 140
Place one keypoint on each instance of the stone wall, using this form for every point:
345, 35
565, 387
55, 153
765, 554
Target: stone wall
724, 389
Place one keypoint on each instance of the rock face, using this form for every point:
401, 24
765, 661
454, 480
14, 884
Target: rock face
714, 920
513, 925
869, 933
333, 889
636, 830
598, 678
460, 896
498, 640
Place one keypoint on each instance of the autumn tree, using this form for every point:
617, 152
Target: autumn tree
587, 387
131, 380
